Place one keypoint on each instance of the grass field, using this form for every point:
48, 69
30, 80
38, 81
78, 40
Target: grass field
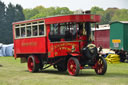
12, 72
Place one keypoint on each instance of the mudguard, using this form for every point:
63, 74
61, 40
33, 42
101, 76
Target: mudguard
74, 54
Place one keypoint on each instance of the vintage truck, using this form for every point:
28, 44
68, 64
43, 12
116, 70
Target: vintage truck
61, 41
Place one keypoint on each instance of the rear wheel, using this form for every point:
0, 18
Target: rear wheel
33, 64
73, 66
101, 66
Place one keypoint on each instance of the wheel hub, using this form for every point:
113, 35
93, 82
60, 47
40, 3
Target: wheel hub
71, 67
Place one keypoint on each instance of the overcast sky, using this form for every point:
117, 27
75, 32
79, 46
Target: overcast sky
71, 4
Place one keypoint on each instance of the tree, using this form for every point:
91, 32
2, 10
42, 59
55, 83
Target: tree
63, 11
106, 15
2, 13
13, 14
2, 21
51, 11
109, 13
99, 11
19, 16
96, 9
103, 17
10, 17
40, 11
120, 15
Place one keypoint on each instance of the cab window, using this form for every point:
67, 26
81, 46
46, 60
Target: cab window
65, 31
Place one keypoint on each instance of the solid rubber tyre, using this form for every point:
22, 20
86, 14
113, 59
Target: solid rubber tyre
32, 65
73, 66
101, 66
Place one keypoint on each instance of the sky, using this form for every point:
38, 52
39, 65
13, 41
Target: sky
71, 4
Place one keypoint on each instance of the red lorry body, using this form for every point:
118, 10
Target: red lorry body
38, 47
42, 44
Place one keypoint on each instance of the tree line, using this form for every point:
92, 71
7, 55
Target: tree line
107, 16
111, 14
8, 15
12, 13
40, 11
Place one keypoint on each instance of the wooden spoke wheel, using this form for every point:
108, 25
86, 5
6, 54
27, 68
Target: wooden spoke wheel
101, 66
32, 65
73, 66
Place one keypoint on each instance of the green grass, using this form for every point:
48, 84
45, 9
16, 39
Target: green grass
12, 72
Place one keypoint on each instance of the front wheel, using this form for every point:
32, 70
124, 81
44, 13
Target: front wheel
101, 66
33, 66
73, 66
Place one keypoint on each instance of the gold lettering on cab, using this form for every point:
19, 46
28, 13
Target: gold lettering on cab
64, 45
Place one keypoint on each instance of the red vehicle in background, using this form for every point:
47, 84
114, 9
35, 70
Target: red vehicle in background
61, 41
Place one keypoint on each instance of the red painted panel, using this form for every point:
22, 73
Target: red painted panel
67, 18
102, 38
63, 48
43, 45
14, 41
30, 45
73, 18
